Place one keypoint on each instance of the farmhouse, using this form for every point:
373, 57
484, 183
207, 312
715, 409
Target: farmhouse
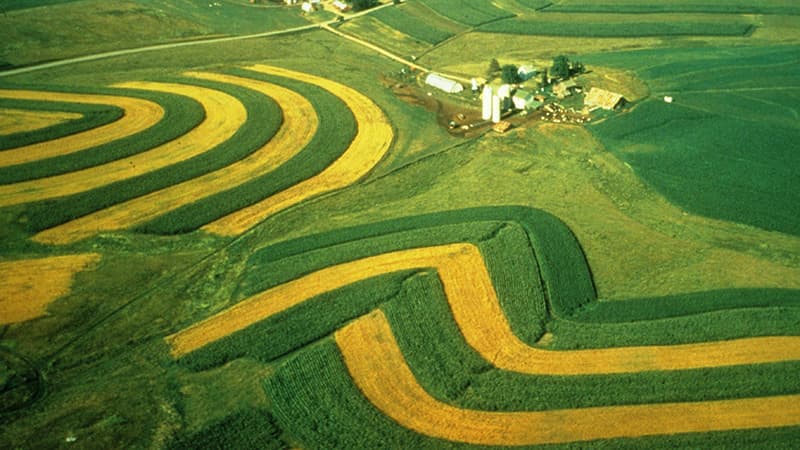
525, 100
601, 98
445, 84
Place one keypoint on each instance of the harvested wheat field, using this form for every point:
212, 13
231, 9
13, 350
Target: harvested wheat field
139, 115
372, 141
298, 127
224, 115
378, 368
28, 286
20, 120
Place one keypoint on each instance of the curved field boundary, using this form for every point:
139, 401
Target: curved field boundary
28, 286
335, 132
298, 127
477, 311
181, 114
378, 368
224, 115
372, 141
15, 121
139, 115
345, 257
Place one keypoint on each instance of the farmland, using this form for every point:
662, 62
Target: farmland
277, 242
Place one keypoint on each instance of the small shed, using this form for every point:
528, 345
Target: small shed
341, 6
445, 84
601, 98
565, 88
525, 100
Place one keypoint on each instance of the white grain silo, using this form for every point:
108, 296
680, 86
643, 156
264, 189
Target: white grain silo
495, 109
487, 103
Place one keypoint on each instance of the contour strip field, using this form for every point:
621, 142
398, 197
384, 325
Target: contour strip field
139, 115
224, 115
372, 141
21, 120
300, 121
28, 286
379, 370
480, 318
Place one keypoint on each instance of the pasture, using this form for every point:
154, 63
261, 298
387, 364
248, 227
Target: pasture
258, 244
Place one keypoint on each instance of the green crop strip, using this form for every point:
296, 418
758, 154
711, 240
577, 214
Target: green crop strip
252, 135
336, 130
181, 114
703, 6
469, 13
401, 20
93, 116
546, 27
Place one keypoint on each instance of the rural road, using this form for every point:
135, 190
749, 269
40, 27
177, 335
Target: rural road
150, 48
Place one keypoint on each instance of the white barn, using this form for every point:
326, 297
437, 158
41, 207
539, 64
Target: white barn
445, 84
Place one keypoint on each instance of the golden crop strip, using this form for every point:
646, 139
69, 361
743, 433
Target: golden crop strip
22, 120
139, 115
372, 141
223, 116
379, 370
299, 124
476, 310
28, 286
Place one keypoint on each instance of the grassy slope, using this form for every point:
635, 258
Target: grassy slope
733, 156
125, 357
64, 30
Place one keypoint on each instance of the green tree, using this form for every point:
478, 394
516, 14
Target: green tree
493, 70
560, 67
360, 5
509, 74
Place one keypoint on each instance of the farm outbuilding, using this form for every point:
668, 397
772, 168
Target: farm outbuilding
601, 98
525, 100
526, 72
444, 84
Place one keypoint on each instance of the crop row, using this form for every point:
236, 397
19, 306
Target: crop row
691, 6
547, 27
336, 129
412, 20
520, 293
181, 114
468, 13
250, 136
92, 116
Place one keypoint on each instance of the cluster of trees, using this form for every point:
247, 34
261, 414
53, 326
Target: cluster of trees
360, 5
562, 68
